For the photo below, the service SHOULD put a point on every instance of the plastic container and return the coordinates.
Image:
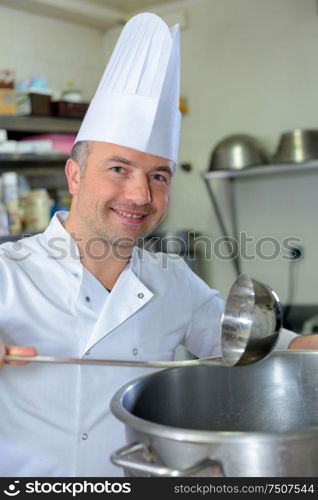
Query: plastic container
(4, 220)
(36, 210)
(10, 194)
(7, 78)
(61, 143)
(3, 135)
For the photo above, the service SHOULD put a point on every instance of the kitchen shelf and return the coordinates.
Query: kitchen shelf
(29, 159)
(261, 170)
(248, 172)
(39, 124)
(41, 170)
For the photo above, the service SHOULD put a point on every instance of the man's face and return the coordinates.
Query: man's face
(122, 194)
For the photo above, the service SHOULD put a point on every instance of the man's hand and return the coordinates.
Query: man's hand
(304, 342)
(15, 351)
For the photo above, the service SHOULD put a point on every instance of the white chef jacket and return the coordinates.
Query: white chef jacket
(55, 419)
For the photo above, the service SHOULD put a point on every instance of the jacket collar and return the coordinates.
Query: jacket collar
(129, 293)
(126, 298)
(60, 244)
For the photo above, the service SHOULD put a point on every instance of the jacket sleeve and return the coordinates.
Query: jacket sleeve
(284, 339)
(203, 336)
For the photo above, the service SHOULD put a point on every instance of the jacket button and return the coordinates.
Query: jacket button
(135, 351)
(87, 298)
(84, 436)
(140, 295)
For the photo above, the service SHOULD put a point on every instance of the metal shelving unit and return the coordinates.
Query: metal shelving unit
(232, 176)
(281, 168)
(39, 124)
(27, 161)
(43, 169)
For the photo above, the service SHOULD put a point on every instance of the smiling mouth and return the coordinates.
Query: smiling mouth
(130, 216)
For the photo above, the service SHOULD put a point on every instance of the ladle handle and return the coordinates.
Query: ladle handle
(111, 362)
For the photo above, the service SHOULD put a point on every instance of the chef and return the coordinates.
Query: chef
(83, 288)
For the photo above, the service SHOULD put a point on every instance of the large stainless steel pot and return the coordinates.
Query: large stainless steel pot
(256, 420)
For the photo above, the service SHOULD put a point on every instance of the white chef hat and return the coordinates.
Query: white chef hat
(137, 101)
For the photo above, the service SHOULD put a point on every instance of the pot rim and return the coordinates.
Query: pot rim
(199, 436)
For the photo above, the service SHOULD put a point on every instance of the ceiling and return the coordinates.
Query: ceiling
(101, 14)
(129, 6)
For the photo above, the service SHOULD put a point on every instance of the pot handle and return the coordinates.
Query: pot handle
(119, 458)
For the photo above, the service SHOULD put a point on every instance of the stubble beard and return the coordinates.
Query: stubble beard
(100, 229)
(125, 242)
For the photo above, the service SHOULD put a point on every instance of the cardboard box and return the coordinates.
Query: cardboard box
(8, 104)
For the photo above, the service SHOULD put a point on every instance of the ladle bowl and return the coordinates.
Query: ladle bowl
(251, 322)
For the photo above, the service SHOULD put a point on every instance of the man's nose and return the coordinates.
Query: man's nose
(137, 190)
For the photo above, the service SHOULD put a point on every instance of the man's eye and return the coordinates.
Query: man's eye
(119, 170)
(161, 178)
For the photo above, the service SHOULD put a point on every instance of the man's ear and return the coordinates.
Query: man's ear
(73, 174)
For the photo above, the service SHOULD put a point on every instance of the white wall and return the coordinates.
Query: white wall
(249, 66)
(34, 44)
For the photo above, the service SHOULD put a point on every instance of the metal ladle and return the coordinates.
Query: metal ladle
(251, 323)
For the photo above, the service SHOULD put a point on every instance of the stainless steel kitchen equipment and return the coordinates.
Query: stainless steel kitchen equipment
(250, 328)
(236, 152)
(182, 243)
(251, 322)
(297, 146)
(256, 421)
(113, 362)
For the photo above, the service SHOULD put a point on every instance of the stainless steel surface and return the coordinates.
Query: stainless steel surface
(234, 255)
(297, 146)
(176, 242)
(256, 421)
(121, 458)
(237, 152)
(251, 322)
(272, 169)
(113, 362)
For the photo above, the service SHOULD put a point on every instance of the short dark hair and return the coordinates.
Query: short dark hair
(80, 152)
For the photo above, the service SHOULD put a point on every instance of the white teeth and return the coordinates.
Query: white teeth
(133, 216)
